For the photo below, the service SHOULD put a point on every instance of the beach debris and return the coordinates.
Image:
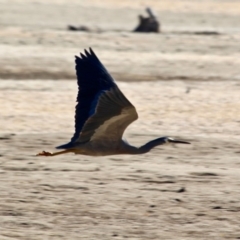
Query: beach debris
(148, 24)
(79, 28)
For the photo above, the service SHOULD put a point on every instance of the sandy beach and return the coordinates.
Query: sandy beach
(184, 83)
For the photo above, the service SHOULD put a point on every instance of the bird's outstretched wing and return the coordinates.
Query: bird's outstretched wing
(110, 116)
(100, 103)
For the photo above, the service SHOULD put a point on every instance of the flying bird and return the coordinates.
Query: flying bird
(102, 114)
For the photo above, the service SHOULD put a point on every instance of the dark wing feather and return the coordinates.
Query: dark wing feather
(109, 119)
(92, 78)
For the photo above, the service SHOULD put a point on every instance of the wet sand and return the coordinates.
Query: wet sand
(183, 84)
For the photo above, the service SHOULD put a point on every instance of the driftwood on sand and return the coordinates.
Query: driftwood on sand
(148, 24)
(78, 28)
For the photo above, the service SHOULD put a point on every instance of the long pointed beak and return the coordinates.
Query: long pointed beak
(171, 140)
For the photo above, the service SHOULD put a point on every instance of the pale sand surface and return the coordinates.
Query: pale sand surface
(78, 197)
(173, 192)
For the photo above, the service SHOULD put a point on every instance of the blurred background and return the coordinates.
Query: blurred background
(183, 80)
(198, 39)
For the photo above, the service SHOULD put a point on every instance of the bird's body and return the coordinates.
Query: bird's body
(102, 114)
(93, 148)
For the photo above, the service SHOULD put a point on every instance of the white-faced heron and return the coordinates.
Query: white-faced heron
(102, 114)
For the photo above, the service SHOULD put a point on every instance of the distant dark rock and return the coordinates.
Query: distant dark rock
(148, 24)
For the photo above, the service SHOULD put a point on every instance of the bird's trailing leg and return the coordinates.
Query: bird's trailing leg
(49, 154)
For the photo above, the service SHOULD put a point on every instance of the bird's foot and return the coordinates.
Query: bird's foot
(43, 153)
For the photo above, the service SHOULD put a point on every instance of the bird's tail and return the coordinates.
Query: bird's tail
(65, 146)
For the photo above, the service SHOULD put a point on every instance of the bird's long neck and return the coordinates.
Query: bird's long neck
(150, 145)
(146, 147)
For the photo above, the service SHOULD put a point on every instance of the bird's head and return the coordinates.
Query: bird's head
(172, 140)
